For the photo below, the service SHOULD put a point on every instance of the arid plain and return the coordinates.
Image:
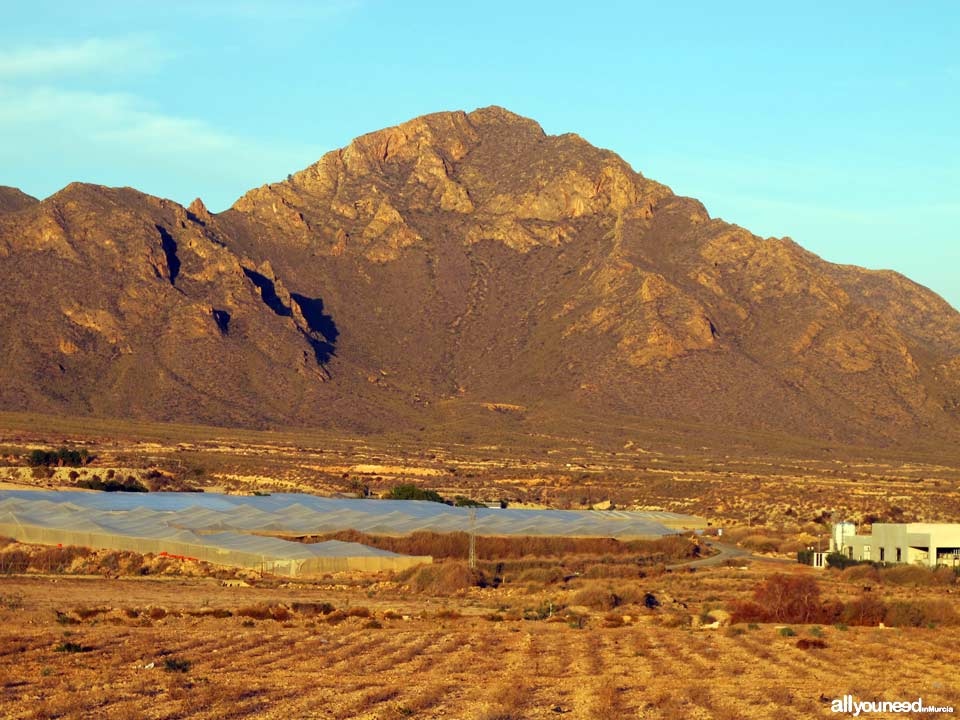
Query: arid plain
(536, 631)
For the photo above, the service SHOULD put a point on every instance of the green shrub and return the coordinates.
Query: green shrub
(61, 457)
(787, 632)
(130, 484)
(462, 501)
(410, 491)
(841, 561)
(172, 664)
(72, 647)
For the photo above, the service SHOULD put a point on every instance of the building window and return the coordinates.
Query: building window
(899, 555)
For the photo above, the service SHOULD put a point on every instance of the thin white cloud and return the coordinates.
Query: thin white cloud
(93, 55)
(272, 10)
(114, 118)
(117, 138)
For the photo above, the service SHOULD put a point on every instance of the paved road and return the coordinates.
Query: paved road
(727, 552)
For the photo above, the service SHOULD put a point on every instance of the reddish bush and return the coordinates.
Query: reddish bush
(811, 644)
(865, 610)
(782, 598)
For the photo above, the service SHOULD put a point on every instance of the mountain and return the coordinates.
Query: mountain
(457, 260)
(12, 199)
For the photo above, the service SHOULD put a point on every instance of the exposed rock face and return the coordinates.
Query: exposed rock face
(462, 257)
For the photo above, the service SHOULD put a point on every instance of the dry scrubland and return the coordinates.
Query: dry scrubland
(778, 485)
(379, 648)
(579, 630)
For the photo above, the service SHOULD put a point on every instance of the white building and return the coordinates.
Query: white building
(924, 543)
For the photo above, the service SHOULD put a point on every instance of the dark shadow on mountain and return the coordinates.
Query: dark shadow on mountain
(322, 350)
(317, 320)
(268, 292)
(169, 246)
(222, 318)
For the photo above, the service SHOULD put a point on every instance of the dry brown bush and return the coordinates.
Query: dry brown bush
(760, 543)
(57, 559)
(265, 611)
(457, 544)
(596, 598)
(543, 576)
(791, 546)
(613, 619)
(861, 574)
(442, 578)
(919, 613)
(312, 608)
(85, 613)
(917, 576)
(612, 570)
(865, 610)
(14, 561)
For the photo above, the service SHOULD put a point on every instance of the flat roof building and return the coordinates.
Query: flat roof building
(930, 544)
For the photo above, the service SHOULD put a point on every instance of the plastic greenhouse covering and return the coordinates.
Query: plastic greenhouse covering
(231, 529)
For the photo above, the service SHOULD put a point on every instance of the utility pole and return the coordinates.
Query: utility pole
(473, 539)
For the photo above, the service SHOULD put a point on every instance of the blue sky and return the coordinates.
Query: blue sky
(837, 124)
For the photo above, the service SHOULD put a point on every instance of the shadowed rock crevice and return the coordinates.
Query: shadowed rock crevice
(322, 350)
(268, 291)
(222, 318)
(317, 320)
(169, 246)
(321, 331)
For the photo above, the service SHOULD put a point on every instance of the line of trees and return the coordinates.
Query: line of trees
(62, 457)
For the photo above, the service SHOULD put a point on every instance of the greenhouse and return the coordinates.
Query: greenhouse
(248, 531)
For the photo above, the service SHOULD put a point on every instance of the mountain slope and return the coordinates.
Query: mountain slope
(13, 199)
(461, 258)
